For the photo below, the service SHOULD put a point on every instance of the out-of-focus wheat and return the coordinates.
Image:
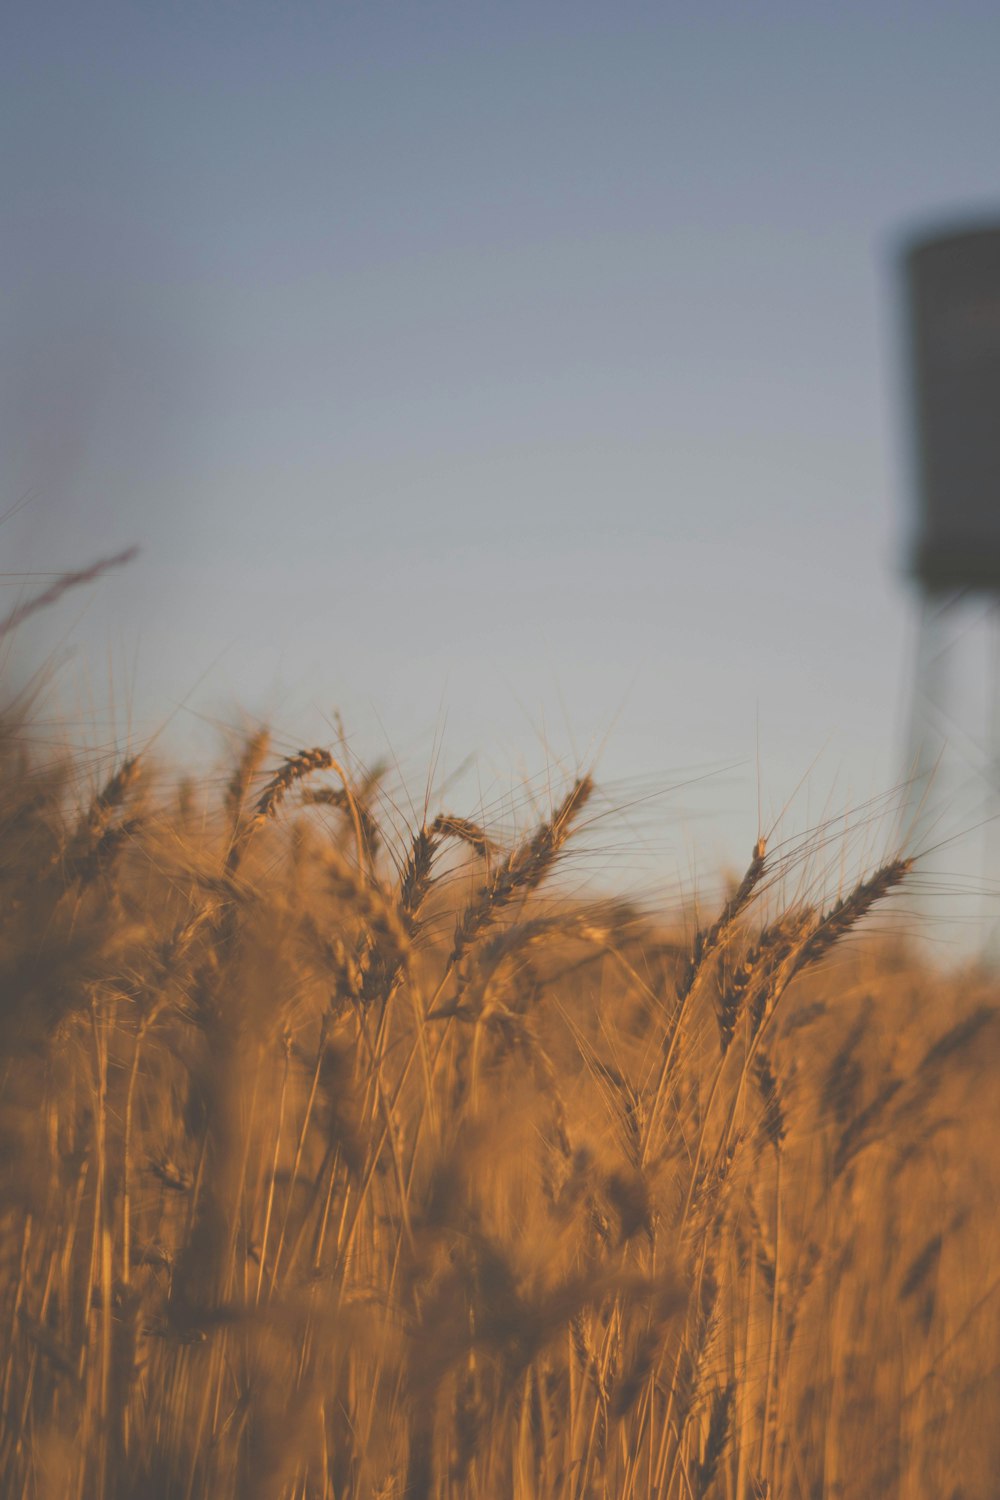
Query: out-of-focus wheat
(338, 1165)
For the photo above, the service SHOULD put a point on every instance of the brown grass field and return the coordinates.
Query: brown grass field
(343, 1159)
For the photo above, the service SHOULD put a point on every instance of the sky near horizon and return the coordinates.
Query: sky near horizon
(518, 380)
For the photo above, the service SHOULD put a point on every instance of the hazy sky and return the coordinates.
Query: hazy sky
(525, 376)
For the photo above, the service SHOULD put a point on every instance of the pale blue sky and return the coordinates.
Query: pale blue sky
(531, 365)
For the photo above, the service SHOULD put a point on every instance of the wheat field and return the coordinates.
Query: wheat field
(345, 1156)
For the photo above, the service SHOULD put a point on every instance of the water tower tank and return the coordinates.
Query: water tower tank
(953, 284)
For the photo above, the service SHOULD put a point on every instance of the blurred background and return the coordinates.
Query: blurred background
(524, 383)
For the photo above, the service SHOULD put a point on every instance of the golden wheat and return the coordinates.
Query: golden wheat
(303, 1199)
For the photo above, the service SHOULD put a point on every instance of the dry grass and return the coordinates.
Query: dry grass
(339, 1164)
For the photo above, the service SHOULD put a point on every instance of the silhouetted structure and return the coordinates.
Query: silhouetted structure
(954, 307)
(953, 300)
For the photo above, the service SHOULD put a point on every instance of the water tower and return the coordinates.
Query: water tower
(952, 283)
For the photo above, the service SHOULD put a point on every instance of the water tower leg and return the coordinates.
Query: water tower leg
(991, 812)
(924, 800)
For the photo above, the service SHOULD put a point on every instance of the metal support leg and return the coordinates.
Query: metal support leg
(928, 723)
(991, 831)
